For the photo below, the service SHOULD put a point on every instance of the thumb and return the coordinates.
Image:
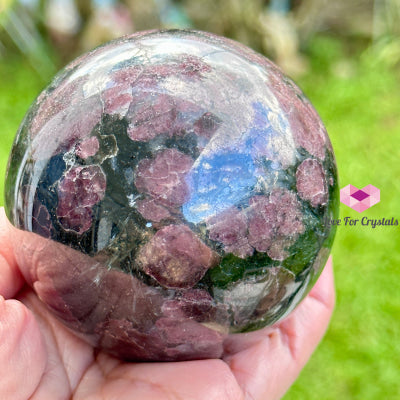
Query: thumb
(11, 279)
(22, 351)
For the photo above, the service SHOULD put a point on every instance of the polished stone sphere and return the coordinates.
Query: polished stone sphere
(181, 187)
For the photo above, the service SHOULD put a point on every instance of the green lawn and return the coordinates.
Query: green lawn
(360, 355)
(360, 105)
(19, 86)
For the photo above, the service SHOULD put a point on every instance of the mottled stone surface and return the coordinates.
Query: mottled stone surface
(175, 257)
(182, 187)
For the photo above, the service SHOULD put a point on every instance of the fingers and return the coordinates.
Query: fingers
(22, 352)
(11, 279)
(311, 319)
(324, 289)
(189, 380)
(270, 360)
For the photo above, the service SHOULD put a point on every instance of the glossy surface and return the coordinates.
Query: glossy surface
(182, 187)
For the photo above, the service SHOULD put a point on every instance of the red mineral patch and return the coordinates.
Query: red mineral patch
(311, 183)
(164, 176)
(78, 191)
(151, 210)
(88, 147)
(176, 257)
(152, 115)
(275, 221)
(230, 228)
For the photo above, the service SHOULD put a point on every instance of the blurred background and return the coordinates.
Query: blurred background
(345, 55)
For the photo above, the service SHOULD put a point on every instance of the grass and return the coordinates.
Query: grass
(359, 356)
(358, 100)
(20, 84)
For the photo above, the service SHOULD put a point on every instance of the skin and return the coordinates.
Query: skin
(44, 360)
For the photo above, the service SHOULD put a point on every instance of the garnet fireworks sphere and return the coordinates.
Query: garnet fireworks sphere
(178, 189)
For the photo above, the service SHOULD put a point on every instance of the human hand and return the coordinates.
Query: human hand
(45, 361)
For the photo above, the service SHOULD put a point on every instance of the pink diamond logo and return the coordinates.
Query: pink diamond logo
(360, 199)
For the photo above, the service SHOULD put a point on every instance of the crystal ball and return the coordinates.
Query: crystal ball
(181, 187)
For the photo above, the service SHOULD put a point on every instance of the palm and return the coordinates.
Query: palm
(49, 362)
